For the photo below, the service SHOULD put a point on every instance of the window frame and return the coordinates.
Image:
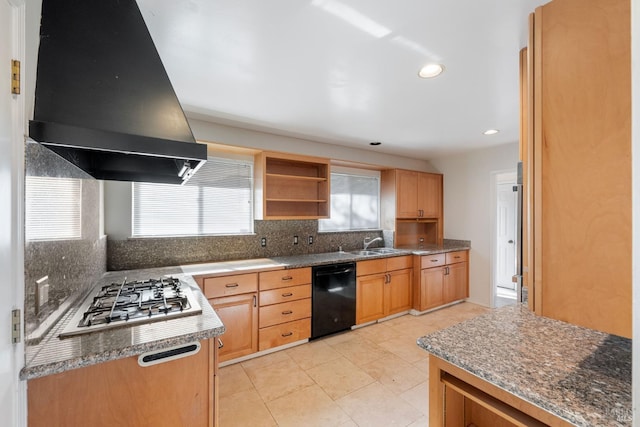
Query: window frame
(341, 170)
(233, 159)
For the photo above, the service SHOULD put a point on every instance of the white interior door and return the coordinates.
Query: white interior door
(12, 399)
(506, 236)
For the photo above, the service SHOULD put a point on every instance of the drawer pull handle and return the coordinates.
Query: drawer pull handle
(287, 312)
(287, 278)
(457, 256)
(434, 260)
(220, 343)
(288, 294)
(231, 285)
(288, 334)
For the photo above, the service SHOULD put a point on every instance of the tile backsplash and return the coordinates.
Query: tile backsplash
(73, 266)
(279, 236)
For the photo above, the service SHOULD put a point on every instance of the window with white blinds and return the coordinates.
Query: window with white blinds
(218, 199)
(52, 208)
(355, 202)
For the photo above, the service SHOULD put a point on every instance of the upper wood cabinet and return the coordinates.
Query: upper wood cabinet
(291, 187)
(578, 150)
(418, 194)
(412, 206)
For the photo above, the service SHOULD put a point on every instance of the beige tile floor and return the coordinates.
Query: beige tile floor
(372, 376)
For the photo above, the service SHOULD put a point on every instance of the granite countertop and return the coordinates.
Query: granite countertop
(309, 260)
(580, 375)
(54, 355)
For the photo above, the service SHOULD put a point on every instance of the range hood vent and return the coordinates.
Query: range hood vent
(103, 99)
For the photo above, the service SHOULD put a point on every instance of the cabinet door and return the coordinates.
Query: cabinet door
(429, 195)
(370, 303)
(431, 287)
(399, 291)
(239, 313)
(406, 193)
(455, 282)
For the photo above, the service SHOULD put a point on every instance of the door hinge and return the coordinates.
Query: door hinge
(15, 77)
(15, 326)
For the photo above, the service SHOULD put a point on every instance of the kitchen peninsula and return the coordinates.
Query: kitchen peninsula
(511, 367)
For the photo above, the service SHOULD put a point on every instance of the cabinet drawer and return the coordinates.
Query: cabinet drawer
(372, 266)
(283, 278)
(458, 256)
(429, 261)
(399, 262)
(285, 333)
(291, 293)
(285, 312)
(230, 285)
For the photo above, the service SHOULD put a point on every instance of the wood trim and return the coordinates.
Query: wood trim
(439, 367)
(535, 266)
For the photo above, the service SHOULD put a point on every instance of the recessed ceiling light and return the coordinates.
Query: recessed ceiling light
(491, 131)
(430, 71)
(375, 143)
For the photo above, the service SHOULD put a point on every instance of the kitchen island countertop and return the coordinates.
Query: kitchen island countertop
(578, 374)
(54, 355)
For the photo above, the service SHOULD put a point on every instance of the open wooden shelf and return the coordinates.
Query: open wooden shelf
(291, 186)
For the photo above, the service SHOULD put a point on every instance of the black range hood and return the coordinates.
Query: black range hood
(103, 99)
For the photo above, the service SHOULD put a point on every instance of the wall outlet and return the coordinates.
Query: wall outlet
(263, 242)
(42, 292)
(311, 240)
(295, 240)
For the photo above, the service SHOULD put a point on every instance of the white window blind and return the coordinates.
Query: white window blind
(355, 202)
(52, 208)
(216, 200)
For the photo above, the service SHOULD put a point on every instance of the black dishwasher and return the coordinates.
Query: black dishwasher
(333, 298)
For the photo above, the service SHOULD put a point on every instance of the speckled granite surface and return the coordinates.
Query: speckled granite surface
(53, 355)
(448, 245)
(578, 374)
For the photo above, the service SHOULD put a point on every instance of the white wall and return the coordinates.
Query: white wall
(468, 207)
(117, 195)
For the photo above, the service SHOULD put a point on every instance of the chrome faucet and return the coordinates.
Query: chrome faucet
(368, 241)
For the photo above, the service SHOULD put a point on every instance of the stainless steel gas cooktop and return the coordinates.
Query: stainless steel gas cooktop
(127, 303)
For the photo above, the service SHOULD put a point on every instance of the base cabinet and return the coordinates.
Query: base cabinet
(440, 279)
(235, 300)
(179, 392)
(285, 307)
(383, 288)
(460, 399)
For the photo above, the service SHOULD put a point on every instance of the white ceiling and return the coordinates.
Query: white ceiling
(311, 69)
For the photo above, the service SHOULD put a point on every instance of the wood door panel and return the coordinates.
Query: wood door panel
(582, 138)
(116, 393)
(239, 314)
(399, 294)
(432, 287)
(370, 299)
(406, 193)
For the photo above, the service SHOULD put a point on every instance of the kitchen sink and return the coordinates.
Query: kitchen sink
(384, 250)
(375, 251)
(362, 252)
